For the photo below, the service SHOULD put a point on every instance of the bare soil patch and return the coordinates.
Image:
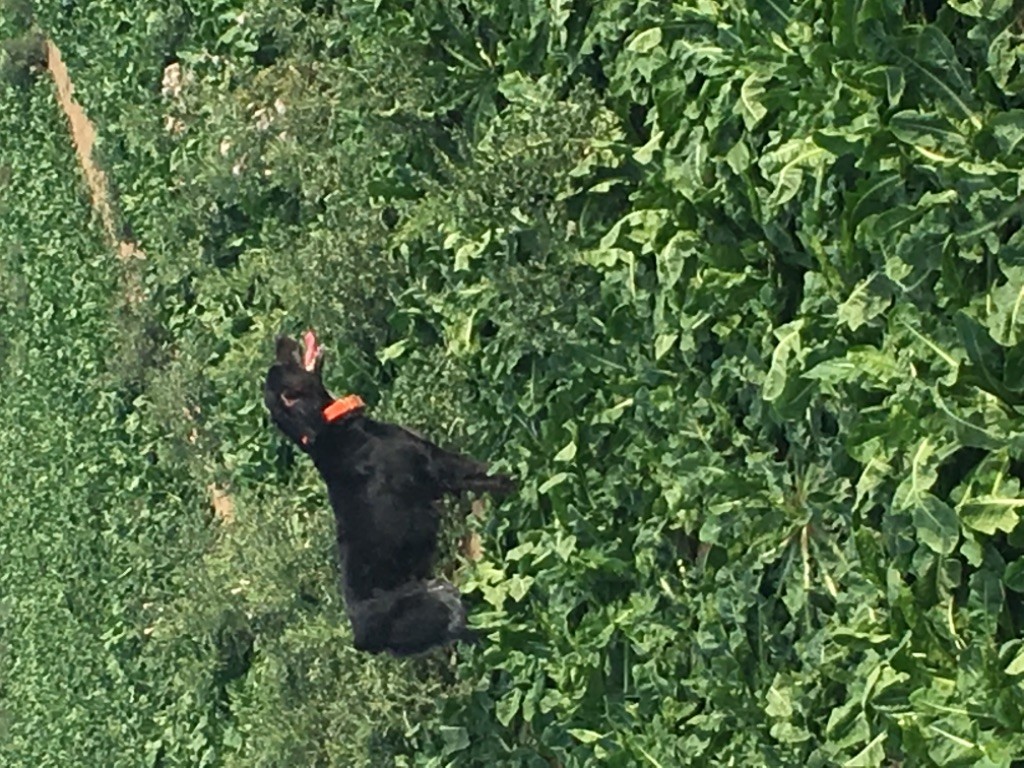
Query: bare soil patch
(83, 134)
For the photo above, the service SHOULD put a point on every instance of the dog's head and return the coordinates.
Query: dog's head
(294, 392)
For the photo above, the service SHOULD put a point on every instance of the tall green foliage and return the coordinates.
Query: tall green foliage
(734, 288)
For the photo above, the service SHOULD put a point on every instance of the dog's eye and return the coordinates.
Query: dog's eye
(288, 400)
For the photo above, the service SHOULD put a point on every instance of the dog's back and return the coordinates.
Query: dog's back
(383, 500)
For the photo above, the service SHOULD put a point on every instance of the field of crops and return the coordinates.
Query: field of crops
(735, 288)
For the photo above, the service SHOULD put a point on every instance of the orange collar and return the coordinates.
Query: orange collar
(342, 407)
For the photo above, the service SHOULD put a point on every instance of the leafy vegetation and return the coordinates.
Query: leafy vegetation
(735, 288)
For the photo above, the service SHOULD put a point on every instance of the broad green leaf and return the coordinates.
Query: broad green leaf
(868, 300)
(614, 413)
(865, 365)
(508, 707)
(895, 84)
(645, 41)
(707, 56)
(739, 157)
(884, 227)
(1016, 667)
(663, 343)
(971, 428)
(936, 524)
(871, 756)
(1013, 368)
(787, 185)
(844, 26)
(518, 586)
(985, 9)
(645, 154)
(1004, 62)
(671, 260)
(991, 514)
(778, 705)
(927, 131)
(518, 88)
(787, 348)
(1008, 129)
(871, 197)
(843, 719)
(568, 453)
(1013, 576)
(786, 164)
(1006, 320)
(565, 546)
(455, 738)
(936, 60)
(469, 250)
(749, 103)
(517, 553)
(532, 698)
(841, 141)
(393, 351)
(555, 480)
(585, 735)
(921, 477)
(607, 257)
(984, 354)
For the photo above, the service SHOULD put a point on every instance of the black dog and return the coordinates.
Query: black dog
(383, 483)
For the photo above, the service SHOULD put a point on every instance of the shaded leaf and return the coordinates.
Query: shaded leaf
(936, 524)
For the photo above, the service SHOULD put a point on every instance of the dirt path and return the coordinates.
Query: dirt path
(83, 135)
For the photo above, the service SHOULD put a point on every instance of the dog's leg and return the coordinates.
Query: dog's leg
(457, 474)
(410, 620)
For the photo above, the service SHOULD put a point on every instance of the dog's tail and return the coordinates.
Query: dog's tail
(499, 485)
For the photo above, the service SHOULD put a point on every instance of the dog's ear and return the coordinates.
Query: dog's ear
(288, 352)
